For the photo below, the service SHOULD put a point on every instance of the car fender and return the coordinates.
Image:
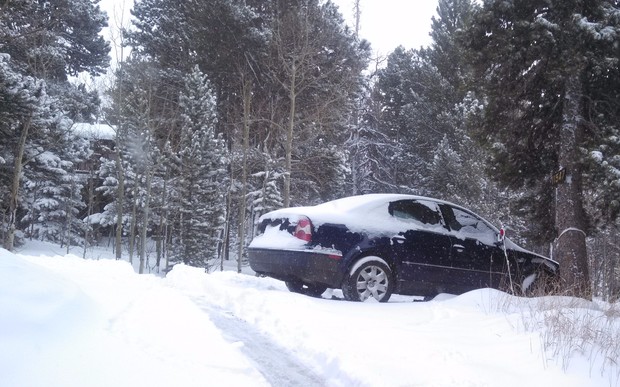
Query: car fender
(363, 260)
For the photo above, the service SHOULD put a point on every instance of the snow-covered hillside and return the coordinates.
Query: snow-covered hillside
(66, 321)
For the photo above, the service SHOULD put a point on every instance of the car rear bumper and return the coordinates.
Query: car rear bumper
(306, 265)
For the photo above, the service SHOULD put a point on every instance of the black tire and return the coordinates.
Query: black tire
(372, 278)
(312, 290)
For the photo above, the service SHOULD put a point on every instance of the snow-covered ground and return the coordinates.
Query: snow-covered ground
(68, 321)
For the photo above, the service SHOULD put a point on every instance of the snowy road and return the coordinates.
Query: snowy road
(278, 366)
(96, 323)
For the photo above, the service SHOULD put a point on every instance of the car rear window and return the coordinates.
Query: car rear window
(415, 210)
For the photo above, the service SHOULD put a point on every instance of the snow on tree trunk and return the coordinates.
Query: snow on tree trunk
(247, 101)
(570, 245)
(289, 136)
(145, 222)
(120, 196)
(13, 199)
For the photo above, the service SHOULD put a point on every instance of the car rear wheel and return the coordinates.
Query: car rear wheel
(370, 278)
(313, 290)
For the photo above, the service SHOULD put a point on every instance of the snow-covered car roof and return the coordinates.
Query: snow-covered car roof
(332, 211)
(363, 213)
(336, 207)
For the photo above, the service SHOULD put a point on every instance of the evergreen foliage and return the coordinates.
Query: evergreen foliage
(203, 171)
(544, 109)
(54, 39)
(525, 64)
(41, 44)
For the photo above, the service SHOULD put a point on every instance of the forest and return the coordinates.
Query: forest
(226, 109)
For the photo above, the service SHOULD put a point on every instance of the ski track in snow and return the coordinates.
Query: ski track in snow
(275, 363)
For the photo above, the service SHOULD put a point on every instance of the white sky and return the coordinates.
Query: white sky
(386, 24)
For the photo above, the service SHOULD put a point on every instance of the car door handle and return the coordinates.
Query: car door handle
(398, 239)
(458, 247)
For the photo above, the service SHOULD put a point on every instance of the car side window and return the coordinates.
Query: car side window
(416, 210)
(469, 225)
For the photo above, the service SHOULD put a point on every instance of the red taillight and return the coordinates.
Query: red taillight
(303, 230)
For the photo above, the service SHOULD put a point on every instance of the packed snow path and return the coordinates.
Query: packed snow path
(280, 367)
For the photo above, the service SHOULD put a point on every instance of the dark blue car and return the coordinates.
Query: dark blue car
(371, 246)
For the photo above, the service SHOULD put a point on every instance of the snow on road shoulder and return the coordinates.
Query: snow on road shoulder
(66, 321)
(41, 316)
(476, 339)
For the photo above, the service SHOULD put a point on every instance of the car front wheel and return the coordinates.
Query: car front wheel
(370, 278)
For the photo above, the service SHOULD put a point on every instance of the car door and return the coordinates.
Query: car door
(478, 261)
(422, 248)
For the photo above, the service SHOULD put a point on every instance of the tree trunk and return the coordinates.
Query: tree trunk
(570, 245)
(145, 222)
(120, 195)
(247, 96)
(91, 200)
(69, 214)
(226, 242)
(13, 199)
(132, 224)
(163, 218)
(289, 138)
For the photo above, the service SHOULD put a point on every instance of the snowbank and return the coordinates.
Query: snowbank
(66, 321)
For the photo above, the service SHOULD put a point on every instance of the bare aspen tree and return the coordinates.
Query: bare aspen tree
(89, 213)
(246, 89)
(316, 86)
(117, 38)
(295, 50)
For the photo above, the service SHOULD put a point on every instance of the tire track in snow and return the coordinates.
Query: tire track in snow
(275, 363)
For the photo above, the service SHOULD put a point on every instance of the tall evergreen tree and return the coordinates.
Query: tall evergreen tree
(204, 161)
(446, 53)
(423, 93)
(539, 62)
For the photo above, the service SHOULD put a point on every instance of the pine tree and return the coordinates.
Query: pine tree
(204, 161)
(54, 39)
(446, 53)
(540, 62)
(268, 197)
(52, 192)
(42, 44)
(415, 100)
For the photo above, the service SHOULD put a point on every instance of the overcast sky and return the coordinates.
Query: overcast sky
(390, 23)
